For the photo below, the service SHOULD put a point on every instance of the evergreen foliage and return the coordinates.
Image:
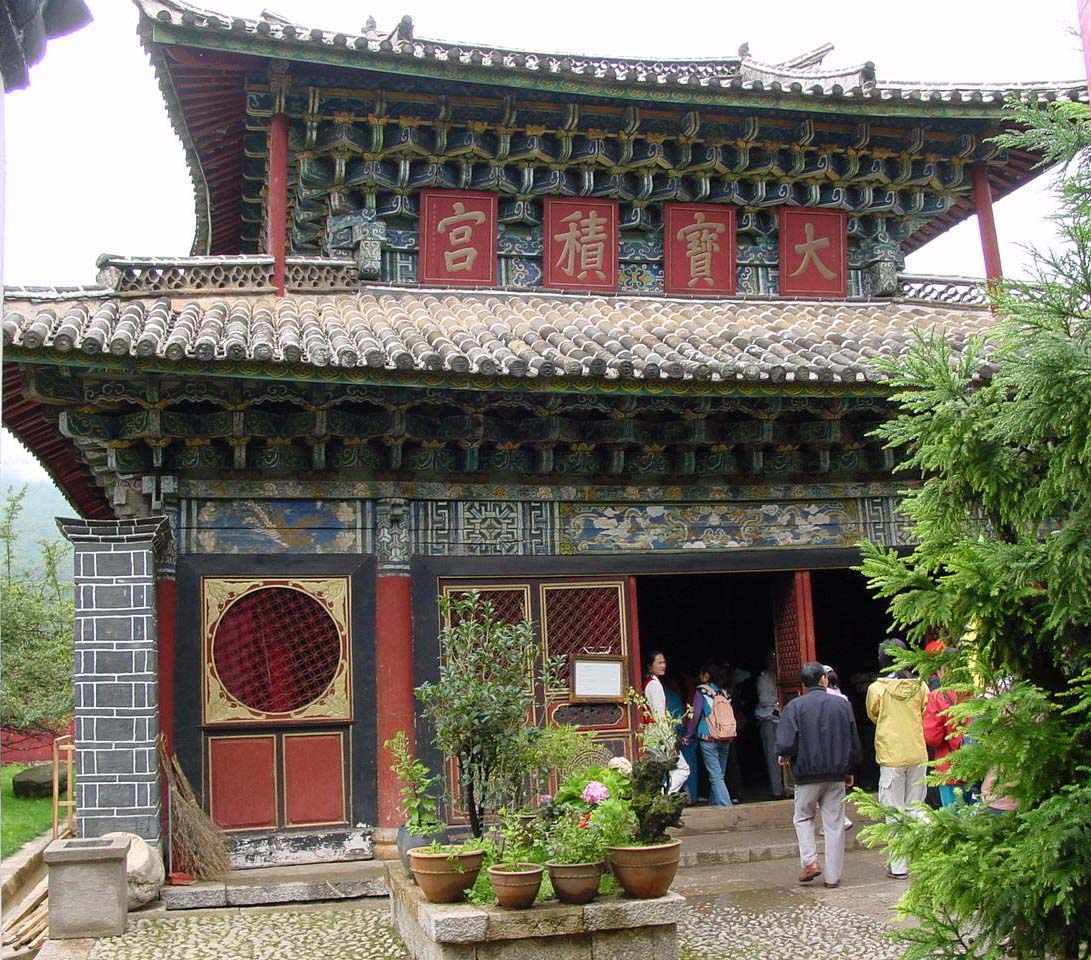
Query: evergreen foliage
(1002, 517)
(36, 632)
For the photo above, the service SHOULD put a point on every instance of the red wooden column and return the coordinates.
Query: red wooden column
(983, 202)
(276, 200)
(394, 700)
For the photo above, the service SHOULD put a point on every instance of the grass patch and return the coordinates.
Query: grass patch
(20, 820)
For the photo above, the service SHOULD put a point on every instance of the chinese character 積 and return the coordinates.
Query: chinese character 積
(583, 245)
(701, 239)
(459, 227)
(809, 251)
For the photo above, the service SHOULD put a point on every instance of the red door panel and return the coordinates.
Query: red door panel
(793, 629)
(314, 787)
(242, 782)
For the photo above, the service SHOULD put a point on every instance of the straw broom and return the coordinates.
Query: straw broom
(197, 845)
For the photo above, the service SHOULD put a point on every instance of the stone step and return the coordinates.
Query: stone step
(747, 846)
(293, 884)
(767, 815)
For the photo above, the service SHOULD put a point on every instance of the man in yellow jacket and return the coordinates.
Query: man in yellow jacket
(895, 704)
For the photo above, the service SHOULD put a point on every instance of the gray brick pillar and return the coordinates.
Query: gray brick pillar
(117, 691)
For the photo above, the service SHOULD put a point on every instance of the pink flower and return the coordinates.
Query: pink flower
(595, 792)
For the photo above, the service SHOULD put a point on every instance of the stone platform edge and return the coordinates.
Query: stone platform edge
(466, 924)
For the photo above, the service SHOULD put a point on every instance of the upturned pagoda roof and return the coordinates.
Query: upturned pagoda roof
(210, 68)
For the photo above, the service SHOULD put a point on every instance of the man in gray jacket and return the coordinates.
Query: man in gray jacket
(817, 736)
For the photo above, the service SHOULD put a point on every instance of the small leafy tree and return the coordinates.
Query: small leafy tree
(480, 705)
(36, 633)
(419, 804)
(1003, 562)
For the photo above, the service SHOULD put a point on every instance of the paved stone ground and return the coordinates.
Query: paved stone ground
(752, 911)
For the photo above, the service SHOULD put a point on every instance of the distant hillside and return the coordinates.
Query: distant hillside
(42, 503)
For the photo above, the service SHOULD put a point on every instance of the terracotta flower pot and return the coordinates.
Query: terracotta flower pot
(645, 872)
(407, 840)
(446, 875)
(516, 884)
(575, 883)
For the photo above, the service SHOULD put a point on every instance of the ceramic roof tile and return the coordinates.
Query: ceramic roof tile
(497, 334)
(802, 76)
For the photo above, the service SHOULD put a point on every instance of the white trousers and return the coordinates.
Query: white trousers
(679, 775)
(904, 788)
(829, 798)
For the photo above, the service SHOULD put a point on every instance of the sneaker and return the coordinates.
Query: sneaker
(832, 884)
(896, 876)
(810, 871)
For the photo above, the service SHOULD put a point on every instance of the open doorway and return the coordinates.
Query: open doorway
(849, 625)
(728, 617)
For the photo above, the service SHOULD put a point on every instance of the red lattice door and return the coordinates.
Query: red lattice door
(588, 616)
(793, 630)
(277, 701)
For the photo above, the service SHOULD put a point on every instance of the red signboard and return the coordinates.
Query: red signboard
(814, 252)
(457, 238)
(698, 248)
(581, 244)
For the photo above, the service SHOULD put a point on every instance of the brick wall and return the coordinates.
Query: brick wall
(117, 699)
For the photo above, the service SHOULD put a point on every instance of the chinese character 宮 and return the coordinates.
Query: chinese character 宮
(583, 249)
(459, 227)
(702, 242)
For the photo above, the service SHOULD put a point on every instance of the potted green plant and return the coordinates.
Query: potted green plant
(422, 826)
(516, 884)
(646, 865)
(444, 872)
(478, 706)
(576, 857)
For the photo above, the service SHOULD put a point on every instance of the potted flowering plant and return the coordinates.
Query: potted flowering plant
(645, 864)
(578, 836)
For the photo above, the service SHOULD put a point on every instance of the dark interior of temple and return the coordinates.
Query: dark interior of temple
(729, 617)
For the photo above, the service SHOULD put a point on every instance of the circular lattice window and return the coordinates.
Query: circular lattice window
(276, 650)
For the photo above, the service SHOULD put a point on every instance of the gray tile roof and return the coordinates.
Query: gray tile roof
(494, 334)
(803, 75)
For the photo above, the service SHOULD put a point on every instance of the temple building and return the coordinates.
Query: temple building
(595, 336)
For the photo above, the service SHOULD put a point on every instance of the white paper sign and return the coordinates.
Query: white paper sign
(600, 679)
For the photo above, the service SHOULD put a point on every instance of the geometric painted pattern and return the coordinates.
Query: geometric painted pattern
(483, 528)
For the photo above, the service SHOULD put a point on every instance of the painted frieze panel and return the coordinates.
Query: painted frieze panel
(276, 526)
(699, 248)
(484, 528)
(814, 258)
(581, 244)
(458, 238)
(651, 527)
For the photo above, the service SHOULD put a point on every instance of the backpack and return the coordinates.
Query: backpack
(720, 717)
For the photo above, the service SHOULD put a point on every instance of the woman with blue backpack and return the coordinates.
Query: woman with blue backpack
(713, 724)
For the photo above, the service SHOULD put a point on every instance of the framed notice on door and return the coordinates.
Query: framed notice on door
(595, 678)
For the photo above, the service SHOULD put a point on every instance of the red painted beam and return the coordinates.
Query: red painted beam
(983, 203)
(276, 205)
(393, 684)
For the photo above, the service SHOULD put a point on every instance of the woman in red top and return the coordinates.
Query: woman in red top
(944, 735)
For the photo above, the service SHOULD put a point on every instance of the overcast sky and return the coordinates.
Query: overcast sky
(93, 165)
